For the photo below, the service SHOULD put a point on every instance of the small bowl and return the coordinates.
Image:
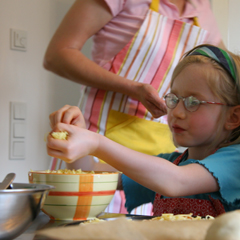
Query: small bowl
(19, 206)
(78, 196)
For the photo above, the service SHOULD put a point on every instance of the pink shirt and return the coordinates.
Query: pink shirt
(128, 16)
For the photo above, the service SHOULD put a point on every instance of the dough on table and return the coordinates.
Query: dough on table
(225, 227)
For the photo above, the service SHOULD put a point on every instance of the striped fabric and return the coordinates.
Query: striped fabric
(151, 63)
(56, 164)
(150, 58)
(117, 205)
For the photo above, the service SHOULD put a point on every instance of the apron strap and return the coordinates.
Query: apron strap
(195, 22)
(155, 7)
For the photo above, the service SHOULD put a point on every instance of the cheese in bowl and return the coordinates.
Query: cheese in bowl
(78, 195)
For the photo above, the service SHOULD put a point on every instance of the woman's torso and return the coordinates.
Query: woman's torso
(149, 57)
(128, 15)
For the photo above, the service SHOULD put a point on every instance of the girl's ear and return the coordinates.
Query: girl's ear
(233, 118)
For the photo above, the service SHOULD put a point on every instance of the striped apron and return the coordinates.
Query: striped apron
(150, 57)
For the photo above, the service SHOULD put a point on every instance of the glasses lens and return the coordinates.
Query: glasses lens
(171, 100)
(191, 103)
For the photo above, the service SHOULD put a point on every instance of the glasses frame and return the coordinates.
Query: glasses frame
(185, 105)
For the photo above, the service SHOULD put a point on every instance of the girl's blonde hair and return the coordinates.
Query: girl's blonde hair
(223, 87)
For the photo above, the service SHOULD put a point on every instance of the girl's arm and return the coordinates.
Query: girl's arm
(64, 57)
(152, 172)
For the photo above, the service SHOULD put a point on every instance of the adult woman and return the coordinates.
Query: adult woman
(137, 44)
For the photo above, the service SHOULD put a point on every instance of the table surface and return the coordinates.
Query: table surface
(41, 222)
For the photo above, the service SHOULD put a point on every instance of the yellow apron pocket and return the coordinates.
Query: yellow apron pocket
(139, 134)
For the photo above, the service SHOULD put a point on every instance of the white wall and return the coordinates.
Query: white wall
(23, 79)
(234, 24)
(227, 15)
(221, 12)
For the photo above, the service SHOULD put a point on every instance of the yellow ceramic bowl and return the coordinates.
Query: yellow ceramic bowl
(76, 196)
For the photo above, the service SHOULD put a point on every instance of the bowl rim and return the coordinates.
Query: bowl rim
(74, 174)
(32, 188)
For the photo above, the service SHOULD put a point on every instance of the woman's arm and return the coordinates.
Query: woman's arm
(152, 172)
(64, 57)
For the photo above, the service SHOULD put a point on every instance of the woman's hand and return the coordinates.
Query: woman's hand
(69, 115)
(149, 97)
(80, 143)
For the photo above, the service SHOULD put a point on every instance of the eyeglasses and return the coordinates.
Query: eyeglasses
(191, 103)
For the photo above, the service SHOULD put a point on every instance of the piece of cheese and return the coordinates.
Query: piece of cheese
(60, 135)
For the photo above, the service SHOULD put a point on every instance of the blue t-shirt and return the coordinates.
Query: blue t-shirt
(224, 164)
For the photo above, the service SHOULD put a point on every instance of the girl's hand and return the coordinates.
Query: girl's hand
(149, 97)
(80, 143)
(69, 115)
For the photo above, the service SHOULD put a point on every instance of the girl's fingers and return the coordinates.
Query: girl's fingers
(72, 115)
(59, 115)
(55, 117)
(58, 143)
(57, 148)
(67, 114)
(71, 149)
(58, 154)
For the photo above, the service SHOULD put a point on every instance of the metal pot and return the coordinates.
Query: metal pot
(19, 206)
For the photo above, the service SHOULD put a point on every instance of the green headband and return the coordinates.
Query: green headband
(220, 56)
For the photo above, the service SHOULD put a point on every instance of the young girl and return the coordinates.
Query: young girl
(203, 115)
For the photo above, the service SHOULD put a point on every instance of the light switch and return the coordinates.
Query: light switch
(18, 116)
(19, 110)
(19, 130)
(19, 149)
(18, 40)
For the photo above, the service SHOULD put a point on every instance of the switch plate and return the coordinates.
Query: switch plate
(18, 149)
(19, 110)
(18, 116)
(18, 39)
(19, 130)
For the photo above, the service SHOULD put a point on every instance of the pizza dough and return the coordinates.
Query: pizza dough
(225, 227)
